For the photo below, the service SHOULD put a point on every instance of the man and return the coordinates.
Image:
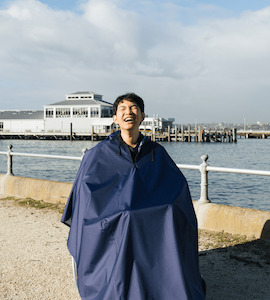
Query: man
(133, 230)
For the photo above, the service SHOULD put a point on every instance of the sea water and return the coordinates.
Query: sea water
(224, 188)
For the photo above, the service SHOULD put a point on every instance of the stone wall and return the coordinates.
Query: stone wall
(232, 219)
(22, 187)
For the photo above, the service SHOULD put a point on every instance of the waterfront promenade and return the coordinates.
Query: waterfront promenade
(35, 263)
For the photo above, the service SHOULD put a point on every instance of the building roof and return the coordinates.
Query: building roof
(84, 93)
(80, 102)
(21, 114)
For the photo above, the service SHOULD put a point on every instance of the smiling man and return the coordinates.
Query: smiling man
(128, 114)
(133, 230)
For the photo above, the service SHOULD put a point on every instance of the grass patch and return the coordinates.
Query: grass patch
(7, 198)
(38, 204)
(222, 239)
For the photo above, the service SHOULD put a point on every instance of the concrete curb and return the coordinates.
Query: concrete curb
(232, 219)
(210, 216)
(37, 189)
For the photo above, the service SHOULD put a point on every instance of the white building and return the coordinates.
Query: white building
(156, 123)
(81, 111)
(16, 121)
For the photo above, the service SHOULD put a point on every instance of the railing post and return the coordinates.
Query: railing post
(204, 180)
(9, 160)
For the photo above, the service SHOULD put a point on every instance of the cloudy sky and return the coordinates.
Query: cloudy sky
(196, 61)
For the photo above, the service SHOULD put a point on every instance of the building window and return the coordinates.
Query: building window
(1, 126)
(49, 112)
(106, 112)
(63, 112)
(147, 123)
(80, 112)
(94, 112)
(86, 97)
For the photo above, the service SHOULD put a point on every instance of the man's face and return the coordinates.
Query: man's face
(128, 115)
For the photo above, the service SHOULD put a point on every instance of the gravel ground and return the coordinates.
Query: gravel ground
(34, 260)
(35, 263)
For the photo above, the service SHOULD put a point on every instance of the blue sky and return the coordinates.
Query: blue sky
(191, 60)
(232, 6)
(63, 4)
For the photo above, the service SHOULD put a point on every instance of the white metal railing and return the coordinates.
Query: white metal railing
(204, 168)
(10, 154)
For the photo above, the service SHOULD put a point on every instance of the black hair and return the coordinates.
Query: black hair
(131, 97)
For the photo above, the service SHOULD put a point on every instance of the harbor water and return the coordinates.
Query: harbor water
(223, 188)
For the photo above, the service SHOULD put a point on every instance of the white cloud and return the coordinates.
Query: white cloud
(209, 70)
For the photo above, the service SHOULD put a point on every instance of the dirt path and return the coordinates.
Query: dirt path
(35, 263)
(34, 260)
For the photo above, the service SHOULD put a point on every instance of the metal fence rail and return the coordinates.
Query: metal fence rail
(46, 156)
(204, 168)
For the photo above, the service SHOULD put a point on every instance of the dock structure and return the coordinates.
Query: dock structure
(53, 136)
(196, 134)
(175, 134)
(254, 134)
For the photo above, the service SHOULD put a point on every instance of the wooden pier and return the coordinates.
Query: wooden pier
(197, 135)
(175, 134)
(254, 134)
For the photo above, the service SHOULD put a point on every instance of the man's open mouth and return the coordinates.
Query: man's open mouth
(129, 120)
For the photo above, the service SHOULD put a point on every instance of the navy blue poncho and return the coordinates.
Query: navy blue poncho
(133, 230)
